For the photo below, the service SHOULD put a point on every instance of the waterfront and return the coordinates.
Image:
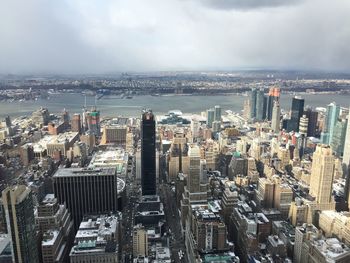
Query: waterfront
(114, 106)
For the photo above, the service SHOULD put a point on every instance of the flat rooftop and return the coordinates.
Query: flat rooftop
(49, 199)
(97, 228)
(74, 172)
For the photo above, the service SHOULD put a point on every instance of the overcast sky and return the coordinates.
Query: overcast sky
(104, 36)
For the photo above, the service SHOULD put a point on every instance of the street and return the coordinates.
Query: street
(177, 241)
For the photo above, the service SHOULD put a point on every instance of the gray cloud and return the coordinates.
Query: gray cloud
(248, 4)
(92, 36)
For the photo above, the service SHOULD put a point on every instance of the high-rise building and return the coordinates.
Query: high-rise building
(265, 192)
(210, 117)
(93, 121)
(114, 134)
(76, 123)
(56, 230)
(276, 117)
(206, 233)
(65, 118)
(217, 110)
(41, 116)
(346, 160)
(321, 179)
(312, 117)
(265, 108)
(88, 191)
(197, 185)
(178, 156)
(195, 125)
(274, 95)
(148, 153)
(346, 155)
(140, 241)
(238, 166)
(246, 109)
(89, 139)
(253, 94)
(296, 113)
(304, 123)
(332, 116)
(216, 126)
(302, 233)
(19, 213)
(337, 142)
(193, 181)
(229, 201)
(260, 105)
(8, 122)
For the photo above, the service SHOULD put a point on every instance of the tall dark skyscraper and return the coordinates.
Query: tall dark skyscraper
(296, 113)
(148, 153)
(312, 124)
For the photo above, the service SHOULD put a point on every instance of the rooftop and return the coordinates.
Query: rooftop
(79, 172)
(49, 199)
(97, 228)
(116, 157)
(49, 237)
(331, 248)
(74, 172)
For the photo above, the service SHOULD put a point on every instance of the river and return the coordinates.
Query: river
(114, 106)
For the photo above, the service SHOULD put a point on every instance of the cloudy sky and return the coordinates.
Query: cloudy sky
(104, 36)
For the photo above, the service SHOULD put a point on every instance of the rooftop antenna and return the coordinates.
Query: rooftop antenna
(85, 102)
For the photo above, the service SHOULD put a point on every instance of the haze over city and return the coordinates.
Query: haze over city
(91, 36)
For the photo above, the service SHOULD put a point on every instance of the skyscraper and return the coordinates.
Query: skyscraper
(148, 153)
(140, 241)
(260, 103)
(88, 191)
(76, 123)
(321, 179)
(346, 155)
(312, 123)
(274, 95)
(19, 212)
(337, 142)
(93, 121)
(296, 113)
(332, 116)
(217, 116)
(56, 229)
(304, 123)
(193, 181)
(276, 114)
(346, 160)
(253, 103)
(210, 117)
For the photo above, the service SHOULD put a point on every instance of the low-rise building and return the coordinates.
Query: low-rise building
(97, 240)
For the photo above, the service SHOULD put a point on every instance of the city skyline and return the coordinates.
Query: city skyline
(177, 131)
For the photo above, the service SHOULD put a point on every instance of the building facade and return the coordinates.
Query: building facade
(19, 212)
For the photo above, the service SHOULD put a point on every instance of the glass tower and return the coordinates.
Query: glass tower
(296, 113)
(332, 116)
(148, 153)
(253, 103)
